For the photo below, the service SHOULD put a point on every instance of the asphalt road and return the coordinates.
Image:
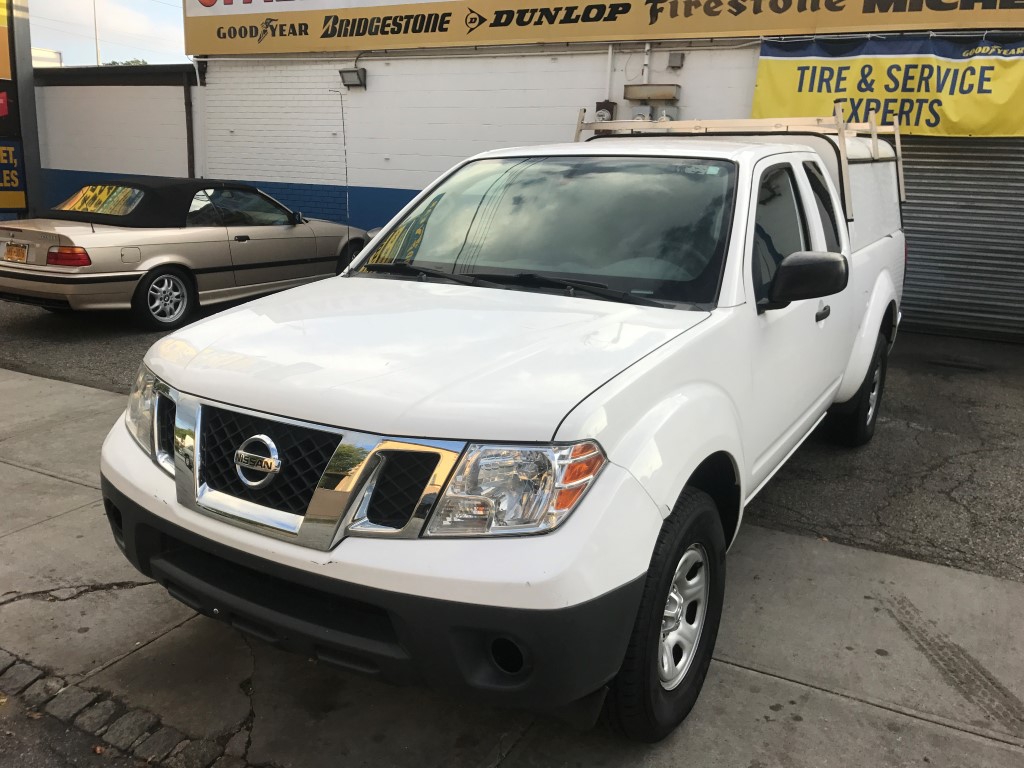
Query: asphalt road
(96, 349)
(941, 482)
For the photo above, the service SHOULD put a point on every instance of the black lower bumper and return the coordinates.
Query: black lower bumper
(534, 659)
(47, 303)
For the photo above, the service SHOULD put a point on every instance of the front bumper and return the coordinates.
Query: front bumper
(67, 289)
(535, 622)
(535, 659)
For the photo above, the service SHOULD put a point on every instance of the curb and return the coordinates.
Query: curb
(124, 731)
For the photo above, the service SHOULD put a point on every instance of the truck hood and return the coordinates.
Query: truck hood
(415, 359)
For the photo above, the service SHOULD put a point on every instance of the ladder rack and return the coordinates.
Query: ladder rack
(835, 125)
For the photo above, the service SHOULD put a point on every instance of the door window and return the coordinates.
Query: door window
(826, 210)
(779, 228)
(243, 208)
(202, 212)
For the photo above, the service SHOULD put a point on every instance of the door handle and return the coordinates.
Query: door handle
(823, 313)
(242, 238)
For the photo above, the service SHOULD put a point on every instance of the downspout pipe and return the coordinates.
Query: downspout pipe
(611, 71)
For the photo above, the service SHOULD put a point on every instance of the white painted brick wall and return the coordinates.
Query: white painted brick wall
(273, 122)
(113, 129)
(279, 121)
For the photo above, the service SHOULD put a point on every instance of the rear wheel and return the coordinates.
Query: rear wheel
(676, 627)
(165, 299)
(853, 423)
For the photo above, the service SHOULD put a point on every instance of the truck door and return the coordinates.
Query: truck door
(828, 233)
(795, 351)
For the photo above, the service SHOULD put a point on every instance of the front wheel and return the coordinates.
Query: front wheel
(164, 300)
(676, 627)
(346, 254)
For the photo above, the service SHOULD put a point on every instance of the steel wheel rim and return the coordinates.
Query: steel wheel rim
(683, 619)
(873, 394)
(167, 298)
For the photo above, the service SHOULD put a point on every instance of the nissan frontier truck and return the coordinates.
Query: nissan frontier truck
(507, 450)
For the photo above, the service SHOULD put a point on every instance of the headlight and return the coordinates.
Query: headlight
(141, 407)
(508, 489)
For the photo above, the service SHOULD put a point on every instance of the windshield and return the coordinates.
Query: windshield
(108, 199)
(653, 227)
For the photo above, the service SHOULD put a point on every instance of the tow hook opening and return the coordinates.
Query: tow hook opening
(116, 523)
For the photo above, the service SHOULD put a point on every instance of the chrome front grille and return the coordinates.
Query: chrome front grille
(327, 483)
(304, 454)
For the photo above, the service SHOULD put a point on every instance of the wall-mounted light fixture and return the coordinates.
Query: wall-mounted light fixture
(353, 78)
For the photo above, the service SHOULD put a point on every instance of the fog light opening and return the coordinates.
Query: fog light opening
(507, 656)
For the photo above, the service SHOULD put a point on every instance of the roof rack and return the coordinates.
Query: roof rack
(835, 125)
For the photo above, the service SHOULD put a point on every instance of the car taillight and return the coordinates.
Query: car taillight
(67, 256)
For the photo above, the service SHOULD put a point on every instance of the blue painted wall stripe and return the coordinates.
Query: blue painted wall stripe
(371, 206)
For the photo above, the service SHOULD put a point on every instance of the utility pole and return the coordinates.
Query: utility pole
(96, 30)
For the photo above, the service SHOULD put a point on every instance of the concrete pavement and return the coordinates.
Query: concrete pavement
(828, 655)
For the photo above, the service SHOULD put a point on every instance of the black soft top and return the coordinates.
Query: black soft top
(165, 202)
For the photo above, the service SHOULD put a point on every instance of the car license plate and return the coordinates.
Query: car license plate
(16, 252)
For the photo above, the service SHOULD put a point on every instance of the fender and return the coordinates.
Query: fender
(663, 417)
(883, 294)
(664, 446)
(148, 264)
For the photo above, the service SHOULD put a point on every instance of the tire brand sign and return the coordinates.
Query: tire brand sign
(930, 86)
(217, 27)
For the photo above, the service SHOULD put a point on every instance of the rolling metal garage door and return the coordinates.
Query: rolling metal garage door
(964, 220)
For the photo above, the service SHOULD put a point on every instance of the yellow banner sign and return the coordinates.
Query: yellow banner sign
(12, 177)
(296, 26)
(929, 86)
(5, 42)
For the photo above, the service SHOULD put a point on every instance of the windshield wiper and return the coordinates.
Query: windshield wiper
(570, 285)
(405, 268)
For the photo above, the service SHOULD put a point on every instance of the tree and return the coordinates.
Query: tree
(127, 63)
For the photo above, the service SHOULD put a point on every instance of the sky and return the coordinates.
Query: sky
(129, 29)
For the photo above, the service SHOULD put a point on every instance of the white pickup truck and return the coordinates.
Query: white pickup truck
(507, 450)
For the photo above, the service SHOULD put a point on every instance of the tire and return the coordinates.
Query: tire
(853, 423)
(350, 250)
(165, 299)
(644, 702)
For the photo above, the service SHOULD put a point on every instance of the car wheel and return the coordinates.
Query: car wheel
(853, 423)
(165, 299)
(676, 627)
(350, 250)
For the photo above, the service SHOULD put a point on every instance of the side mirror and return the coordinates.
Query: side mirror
(807, 275)
(297, 218)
